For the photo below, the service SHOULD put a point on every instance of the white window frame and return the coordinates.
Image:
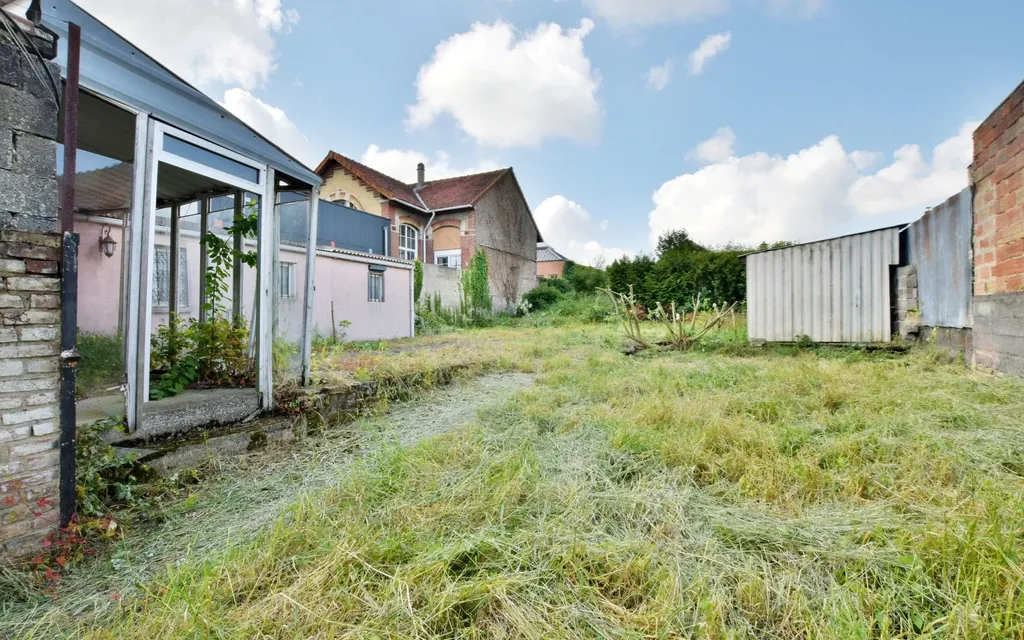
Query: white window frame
(371, 276)
(286, 277)
(183, 293)
(405, 252)
(447, 255)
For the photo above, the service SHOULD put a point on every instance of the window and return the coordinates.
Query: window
(345, 199)
(286, 280)
(450, 259)
(195, 153)
(376, 287)
(408, 236)
(162, 278)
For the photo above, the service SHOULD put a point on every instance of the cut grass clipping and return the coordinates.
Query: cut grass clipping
(828, 494)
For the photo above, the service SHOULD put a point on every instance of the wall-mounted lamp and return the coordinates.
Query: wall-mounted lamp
(107, 244)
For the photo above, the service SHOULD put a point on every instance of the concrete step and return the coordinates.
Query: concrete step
(167, 458)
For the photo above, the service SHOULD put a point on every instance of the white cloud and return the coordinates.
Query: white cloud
(506, 89)
(816, 193)
(659, 77)
(716, 148)
(270, 121)
(910, 181)
(205, 41)
(710, 47)
(643, 13)
(401, 164)
(567, 227)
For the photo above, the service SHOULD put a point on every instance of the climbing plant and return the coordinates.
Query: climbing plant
(213, 352)
(480, 291)
(417, 285)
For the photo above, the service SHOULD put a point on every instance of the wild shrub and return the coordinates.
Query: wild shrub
(584, 279)
(563, 285)
(682, 271)
(543, 297)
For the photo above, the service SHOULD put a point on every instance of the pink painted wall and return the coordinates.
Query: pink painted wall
(339, 279)
(345, 283)
(99, 279)
(549, 269)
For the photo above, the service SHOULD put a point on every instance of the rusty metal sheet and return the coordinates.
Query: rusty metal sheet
(940, 245)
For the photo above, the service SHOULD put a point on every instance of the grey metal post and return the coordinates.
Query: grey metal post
(265, 340)
(141, 274)
(204, 259)
(307, 318)
(236, 268)
(172, 302)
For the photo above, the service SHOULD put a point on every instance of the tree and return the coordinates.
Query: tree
(584, 279)
(780, 244)
(677, 240)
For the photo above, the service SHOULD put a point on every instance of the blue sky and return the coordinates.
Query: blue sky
(810, 100)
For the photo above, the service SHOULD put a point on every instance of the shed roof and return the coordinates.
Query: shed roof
(547, 254)
(848, 235)
(113, 67)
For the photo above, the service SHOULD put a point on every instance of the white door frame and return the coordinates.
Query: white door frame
(142, 258)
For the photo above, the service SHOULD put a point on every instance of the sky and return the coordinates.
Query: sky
(737, 120)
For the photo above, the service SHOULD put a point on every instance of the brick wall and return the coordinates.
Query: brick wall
(997, 175)
(505, 228)
(29, 306)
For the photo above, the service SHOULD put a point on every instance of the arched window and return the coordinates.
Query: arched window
(352, 203)
(408, 236)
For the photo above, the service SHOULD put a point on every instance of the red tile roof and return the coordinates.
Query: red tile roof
(383, 184)
(462, 191)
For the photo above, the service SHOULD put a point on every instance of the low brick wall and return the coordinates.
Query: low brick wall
(997, 175)
(29, 412)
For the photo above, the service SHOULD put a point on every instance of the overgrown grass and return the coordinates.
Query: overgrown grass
(101, 366)
(733, 492)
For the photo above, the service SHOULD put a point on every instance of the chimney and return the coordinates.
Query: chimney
(421, 175)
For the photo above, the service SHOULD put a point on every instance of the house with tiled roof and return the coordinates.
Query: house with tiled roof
(444, 222)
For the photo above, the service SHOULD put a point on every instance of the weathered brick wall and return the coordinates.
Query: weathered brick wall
(29, 306)
(997, 175)
(506, 230)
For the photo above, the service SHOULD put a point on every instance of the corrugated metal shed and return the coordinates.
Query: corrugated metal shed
(835, 290)
(940, 245)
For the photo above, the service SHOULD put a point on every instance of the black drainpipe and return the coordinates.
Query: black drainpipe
(69, 284)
